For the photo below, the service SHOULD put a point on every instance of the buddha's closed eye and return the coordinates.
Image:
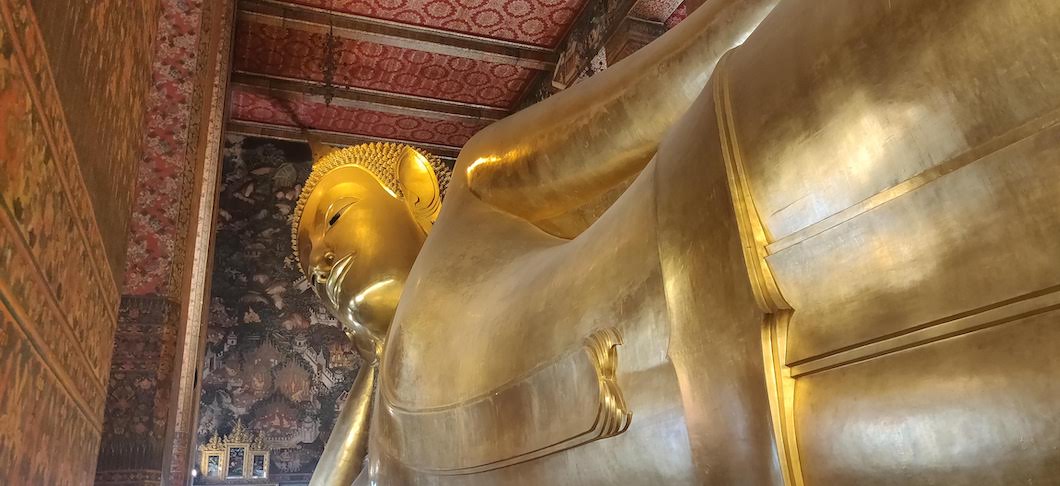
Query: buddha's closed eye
(336, 210)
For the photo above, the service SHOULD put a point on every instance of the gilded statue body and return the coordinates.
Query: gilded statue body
(827, 256)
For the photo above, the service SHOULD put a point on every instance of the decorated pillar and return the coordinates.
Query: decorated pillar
(150, 405)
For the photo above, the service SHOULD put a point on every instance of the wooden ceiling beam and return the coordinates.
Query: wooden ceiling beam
(367, 99)
(339, 139)
(357, 27)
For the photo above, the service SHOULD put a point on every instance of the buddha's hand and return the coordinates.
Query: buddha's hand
(368, 346)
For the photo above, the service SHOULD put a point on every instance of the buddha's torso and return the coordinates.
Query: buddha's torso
(841, 267)
(497, 300)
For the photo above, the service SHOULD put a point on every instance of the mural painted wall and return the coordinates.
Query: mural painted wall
(60, 223)
(274, 358)
(100, 53)
(149, 340)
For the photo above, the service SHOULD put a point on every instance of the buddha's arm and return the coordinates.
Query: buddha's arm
(571, 149)
(344, 453)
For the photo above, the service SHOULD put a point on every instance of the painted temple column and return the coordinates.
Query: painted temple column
(150, 409)
(184, 404)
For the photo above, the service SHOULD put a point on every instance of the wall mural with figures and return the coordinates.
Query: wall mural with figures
(274, 358)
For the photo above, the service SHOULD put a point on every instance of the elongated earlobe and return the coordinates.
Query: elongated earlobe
(420, 187)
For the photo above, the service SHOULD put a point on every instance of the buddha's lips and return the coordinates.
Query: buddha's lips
(333, 285)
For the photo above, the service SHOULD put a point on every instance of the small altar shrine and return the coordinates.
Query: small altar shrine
(239, 458)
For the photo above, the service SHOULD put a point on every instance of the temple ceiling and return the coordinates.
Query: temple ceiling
(426, 72)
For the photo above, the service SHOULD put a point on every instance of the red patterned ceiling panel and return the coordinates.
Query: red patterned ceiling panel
(255, 107)
(675, 18)
(268, 49)
(536, 22)
(655, 10)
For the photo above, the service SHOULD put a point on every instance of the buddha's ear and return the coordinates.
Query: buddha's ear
(419, 186)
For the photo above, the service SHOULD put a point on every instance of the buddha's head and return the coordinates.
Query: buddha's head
(361, 219)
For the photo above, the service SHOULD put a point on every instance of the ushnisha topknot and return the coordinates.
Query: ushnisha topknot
(381, 159)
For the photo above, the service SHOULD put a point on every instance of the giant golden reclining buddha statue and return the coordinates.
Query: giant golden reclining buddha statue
(790, 242)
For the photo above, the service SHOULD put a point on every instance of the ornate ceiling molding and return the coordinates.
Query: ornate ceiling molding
(396, 34)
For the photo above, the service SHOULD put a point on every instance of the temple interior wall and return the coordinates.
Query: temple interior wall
(73, 84)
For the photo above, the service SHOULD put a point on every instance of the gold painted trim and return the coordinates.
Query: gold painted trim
(602, 347)
(780, 385)
(1003, 312)
(611, 417)
(1016, 135)
(753, 235)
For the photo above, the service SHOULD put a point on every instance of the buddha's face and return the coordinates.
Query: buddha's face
(357, 242)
